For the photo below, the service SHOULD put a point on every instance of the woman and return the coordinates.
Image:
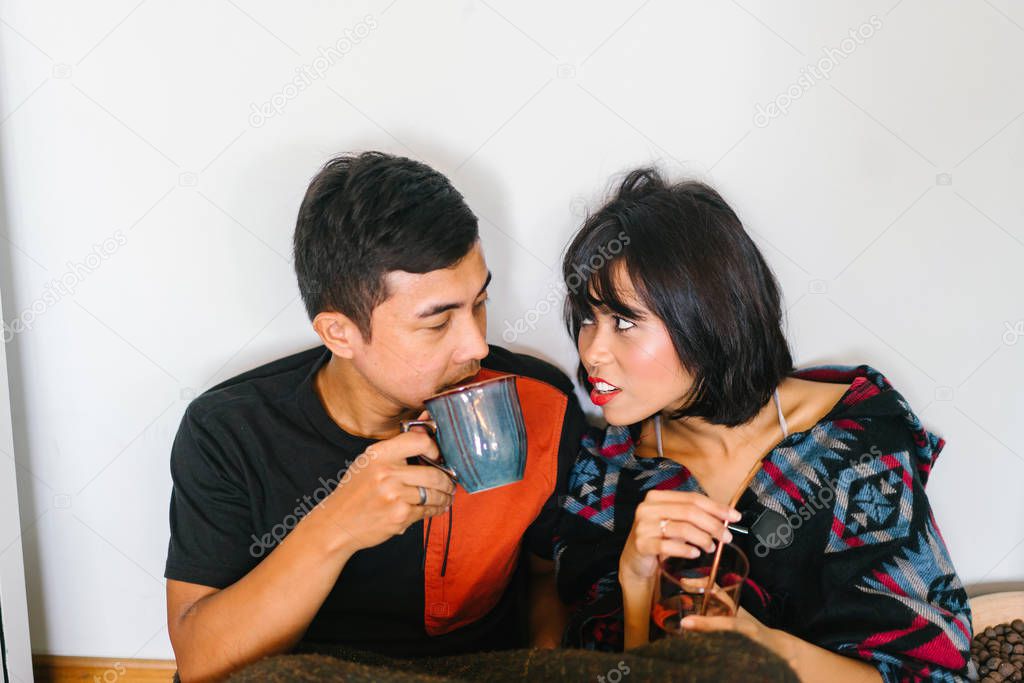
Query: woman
(677, 319)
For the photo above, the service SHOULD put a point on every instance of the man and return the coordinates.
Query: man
(296, 516)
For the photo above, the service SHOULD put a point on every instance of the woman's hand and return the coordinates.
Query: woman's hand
(743, 623)
(810, 662)
(672, 524)
(667, 523)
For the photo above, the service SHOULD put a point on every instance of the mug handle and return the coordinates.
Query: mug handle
(431, 426)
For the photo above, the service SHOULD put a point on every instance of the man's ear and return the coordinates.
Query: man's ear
(339, 333)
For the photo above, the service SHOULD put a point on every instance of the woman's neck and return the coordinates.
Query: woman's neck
(694, 439)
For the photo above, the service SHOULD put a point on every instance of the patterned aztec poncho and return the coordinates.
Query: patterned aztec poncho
(844, 551)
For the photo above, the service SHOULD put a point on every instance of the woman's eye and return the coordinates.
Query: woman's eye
(482, 303)
(438, 328)
(623, 324)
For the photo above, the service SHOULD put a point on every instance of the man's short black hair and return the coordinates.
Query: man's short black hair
(366, 215)
(695, 267)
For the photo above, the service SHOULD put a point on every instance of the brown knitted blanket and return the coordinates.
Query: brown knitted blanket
(697, 658)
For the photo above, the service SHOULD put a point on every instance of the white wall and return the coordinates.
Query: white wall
(887, 199)
(13, 605)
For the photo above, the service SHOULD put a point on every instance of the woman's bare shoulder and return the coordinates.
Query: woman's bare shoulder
(806, 402)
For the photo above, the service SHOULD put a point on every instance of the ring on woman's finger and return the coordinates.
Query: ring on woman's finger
(423, 495)
(661, 525)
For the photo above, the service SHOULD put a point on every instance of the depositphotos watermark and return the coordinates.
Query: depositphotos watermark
(65, 285)
(785, 530)
(1013, 332)
(615, 675)
(262, 544)
(308, 73)
(811, 74)
(112, 674)
(557, 291)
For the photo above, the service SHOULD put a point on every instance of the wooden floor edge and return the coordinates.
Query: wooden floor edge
(60, 669)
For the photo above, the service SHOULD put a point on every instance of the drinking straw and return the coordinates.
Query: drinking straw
(721, 543)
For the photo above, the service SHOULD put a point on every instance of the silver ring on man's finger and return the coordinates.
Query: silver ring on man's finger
(423, 495)
(661, 525)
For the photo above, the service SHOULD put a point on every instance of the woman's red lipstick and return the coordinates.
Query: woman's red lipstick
(602, 391)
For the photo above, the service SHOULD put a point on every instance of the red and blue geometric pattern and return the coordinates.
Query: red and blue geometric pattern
(860, 567)
(873, 503)
(594, 480)
(921, 577)
(797, 469)
(587, 493)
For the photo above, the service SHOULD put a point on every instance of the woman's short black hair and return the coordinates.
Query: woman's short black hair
(366, 215)
(694, 266)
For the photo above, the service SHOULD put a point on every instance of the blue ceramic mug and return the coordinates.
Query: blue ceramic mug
(480, 432)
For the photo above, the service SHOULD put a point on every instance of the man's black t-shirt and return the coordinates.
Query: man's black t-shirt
(254, 454)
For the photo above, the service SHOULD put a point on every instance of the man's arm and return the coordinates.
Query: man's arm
(214, 632)
(266, 612)
(548, 615)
